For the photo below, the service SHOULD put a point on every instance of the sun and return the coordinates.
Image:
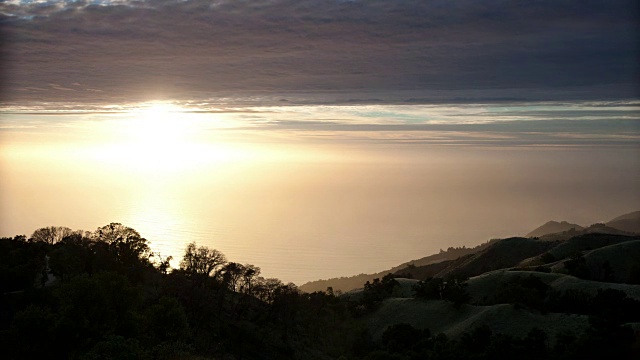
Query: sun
(159, 124)
(166, 138)
(163, 137)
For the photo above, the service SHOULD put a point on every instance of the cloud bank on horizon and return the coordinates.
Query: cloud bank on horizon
(375, 51)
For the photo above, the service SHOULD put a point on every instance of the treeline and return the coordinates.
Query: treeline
(112, 298)
(104, 295)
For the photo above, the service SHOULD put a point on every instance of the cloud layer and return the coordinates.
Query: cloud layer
(550, 125)
(319, 50)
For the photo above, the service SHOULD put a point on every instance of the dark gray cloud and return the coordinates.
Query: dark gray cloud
(319, 50)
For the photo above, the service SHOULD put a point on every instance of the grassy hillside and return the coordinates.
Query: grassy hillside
(563, 249)
(501, 254)
(523, 253)
(426, 271)
(483, 287)
(441, 317)
(588, 242)
(616, 263)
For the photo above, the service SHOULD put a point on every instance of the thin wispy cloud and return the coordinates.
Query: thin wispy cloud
(499, 125)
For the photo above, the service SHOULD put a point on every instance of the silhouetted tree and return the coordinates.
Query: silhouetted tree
(163, 264)
(529, 291)
(51, 234)
(75, 254)
(128, 246)
(431, 288)
(577, 266)
(453, 289)
(266, 289)
(231, 274)
(285, 307)
(248, 281)
(202, 262)
(376, 291)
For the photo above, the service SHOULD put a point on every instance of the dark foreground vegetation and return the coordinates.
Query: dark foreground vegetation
(105, 295)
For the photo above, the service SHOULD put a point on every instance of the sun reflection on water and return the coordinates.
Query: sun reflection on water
(158, 213)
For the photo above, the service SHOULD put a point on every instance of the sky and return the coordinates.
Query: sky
(319, 51)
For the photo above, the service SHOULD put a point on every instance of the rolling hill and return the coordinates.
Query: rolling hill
(501, 254)
(628, 222)
(553, 227)
(440, 317)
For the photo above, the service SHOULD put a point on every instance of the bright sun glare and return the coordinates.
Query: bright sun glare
(160, 124)
(164, 136)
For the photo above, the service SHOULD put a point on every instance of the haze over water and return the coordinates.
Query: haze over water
(308, 192)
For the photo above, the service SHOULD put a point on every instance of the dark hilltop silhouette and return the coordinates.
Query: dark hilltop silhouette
(628, 222)
(553, 227)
